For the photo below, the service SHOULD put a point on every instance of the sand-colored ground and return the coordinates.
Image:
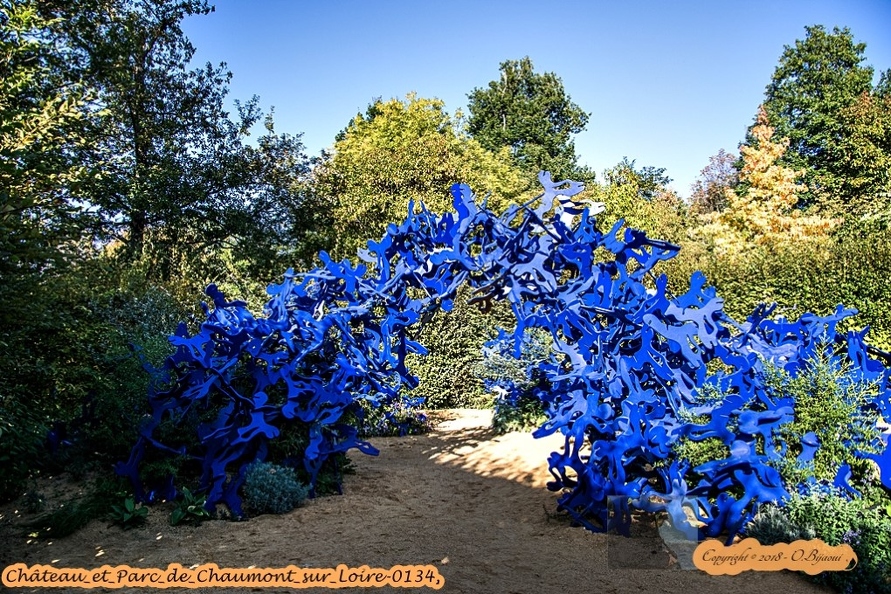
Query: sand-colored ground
(470, 503)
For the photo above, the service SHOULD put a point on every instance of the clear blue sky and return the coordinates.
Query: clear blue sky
(666, 83)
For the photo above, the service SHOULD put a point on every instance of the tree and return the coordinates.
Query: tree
(178, 183)
(645, 182)
(111, 146)
(815, 81)
(640, 196)
(41, 113)
(709, 191)
(41, 128)
(401, 151)
(762, 210)
(865, 153)
(532, 115)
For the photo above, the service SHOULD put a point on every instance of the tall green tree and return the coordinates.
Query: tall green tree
(124, 185)
(532, 115)
(646, 182)
(41, 127)
(41, 118)
(809, 98)
(865, 154)
(179, 184)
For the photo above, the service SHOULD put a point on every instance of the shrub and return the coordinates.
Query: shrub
(22, 434)
(836, 520)
(288, 450)
(34, 502)
(515, 380)
(853, 269)
(71, 380)
(830, 403)
(272, 489)
(699, 452)
(329, 480)
(68, 518)
(455, 343)
(771, 526)
(517, 413)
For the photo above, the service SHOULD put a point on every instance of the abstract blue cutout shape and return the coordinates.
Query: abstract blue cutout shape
(629, 366)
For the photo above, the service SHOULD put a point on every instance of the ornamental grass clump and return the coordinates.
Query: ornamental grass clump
(272, 489)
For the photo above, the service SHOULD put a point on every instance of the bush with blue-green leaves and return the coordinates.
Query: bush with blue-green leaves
(839, 496)
(272, 489)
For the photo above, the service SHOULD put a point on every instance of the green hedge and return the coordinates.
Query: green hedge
(455, 343)
(853, 269)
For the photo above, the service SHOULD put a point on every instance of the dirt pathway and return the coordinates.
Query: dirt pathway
(470, 503)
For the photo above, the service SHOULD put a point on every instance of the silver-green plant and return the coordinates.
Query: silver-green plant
(272, 489)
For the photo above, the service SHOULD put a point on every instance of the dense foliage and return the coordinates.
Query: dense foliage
(532, 115)
(272, 489)
(516, 381)
(400, 151)
(124, 192)
(835, 519)
(822, 99)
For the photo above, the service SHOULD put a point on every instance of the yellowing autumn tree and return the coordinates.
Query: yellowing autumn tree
(762, 209)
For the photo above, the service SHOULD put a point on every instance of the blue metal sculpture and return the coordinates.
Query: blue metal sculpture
(629, 367)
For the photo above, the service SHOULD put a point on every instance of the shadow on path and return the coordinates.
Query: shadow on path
(469, 502)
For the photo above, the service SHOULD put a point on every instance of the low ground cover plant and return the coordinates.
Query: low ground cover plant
(272, 489)
(836, 518)
(190, 509)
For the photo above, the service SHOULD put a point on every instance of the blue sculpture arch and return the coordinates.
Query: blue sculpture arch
(629, 367)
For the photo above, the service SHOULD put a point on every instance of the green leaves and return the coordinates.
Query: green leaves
(856, 522)
(190, 509)
(819, 98)
(530, 114)
(127, 514)
(401, 151)
(173, 181)
(834, 407)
